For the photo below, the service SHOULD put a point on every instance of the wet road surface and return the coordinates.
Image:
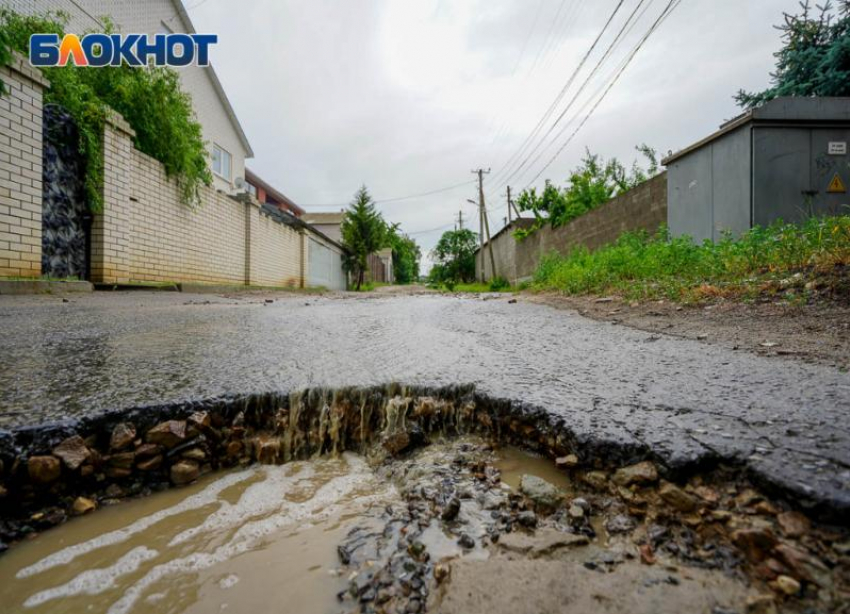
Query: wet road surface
(685, 400)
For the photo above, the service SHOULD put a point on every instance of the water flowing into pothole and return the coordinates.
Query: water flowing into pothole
(384, 500)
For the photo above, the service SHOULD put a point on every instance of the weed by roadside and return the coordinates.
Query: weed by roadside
(479, 288)
(787, 260)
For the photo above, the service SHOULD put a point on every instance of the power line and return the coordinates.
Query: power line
(516, 66)
(671, 6)
(585, 105)
(423, 232)
(546, 43)
(561, 94)
(608, 52)
(400, 198)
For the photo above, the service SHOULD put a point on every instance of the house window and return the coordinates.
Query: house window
(222, 163)
(251, 189)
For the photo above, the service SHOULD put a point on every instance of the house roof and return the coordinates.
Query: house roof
(786, 110)
(284, 217)
(324, 218)
(252, 178)
(210, 71)
(516, 224)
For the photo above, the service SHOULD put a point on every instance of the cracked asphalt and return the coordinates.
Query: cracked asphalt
(686, 401)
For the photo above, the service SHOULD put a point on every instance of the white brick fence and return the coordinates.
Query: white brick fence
(144, 233)
(20, 170)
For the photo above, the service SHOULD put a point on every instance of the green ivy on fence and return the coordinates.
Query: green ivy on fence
(150, 99)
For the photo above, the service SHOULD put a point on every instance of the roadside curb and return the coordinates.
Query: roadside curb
(133, 287)
(196, 288)
(40, 286)
(193, 288)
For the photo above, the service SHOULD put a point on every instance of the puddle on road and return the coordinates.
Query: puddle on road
(514, 463)
(243, 541)
(266, 539)
(246, 540)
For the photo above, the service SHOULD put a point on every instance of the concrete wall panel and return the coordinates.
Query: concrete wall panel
(690, 188)
(731, 166)
(644, 208)
(781, 173)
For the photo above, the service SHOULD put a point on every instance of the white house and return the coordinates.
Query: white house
(228, 145)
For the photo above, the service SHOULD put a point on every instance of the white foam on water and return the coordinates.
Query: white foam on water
(207, 496)
(267, 500)
(95, 581)
(228, 582)
(258, 499)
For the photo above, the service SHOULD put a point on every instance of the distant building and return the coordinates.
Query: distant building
(787, 159)
(227, 143)
(328, 224)
(385, 256)
(267, 194)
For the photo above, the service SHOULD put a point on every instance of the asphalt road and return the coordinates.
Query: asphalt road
(686, 401)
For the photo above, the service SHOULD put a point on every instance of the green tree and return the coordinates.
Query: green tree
(454, 257)
(364, 232)
(593, 183)
(406, 255)
(815, 57)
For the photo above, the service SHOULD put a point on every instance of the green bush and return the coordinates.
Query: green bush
(150, 99)
(638, 265)
(497, 284)
(591, 184)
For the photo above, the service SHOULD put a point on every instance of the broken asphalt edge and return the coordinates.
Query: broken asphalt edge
(600, 452)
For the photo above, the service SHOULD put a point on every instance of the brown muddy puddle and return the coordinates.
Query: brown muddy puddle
(257, 540)
(250, 540)
(262, 539)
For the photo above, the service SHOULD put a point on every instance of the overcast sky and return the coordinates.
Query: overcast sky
(408, 96)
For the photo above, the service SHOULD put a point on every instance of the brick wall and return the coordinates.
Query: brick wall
(277, 252)
(20, 170)
(146, 234)
(643, 208)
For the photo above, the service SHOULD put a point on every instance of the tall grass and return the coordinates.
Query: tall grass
(638, 265)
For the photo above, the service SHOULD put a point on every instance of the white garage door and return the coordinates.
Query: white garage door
(325, 267)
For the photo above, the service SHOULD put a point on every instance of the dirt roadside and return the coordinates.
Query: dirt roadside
(818, 333)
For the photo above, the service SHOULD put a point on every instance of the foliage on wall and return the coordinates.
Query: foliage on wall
(5, 57)
(593, 183)
(150, 99)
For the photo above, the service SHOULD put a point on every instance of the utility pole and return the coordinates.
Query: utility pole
(484, 225)
(459, 220)
(511, 204)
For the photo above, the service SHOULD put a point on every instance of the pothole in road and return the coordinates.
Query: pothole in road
(405, 503)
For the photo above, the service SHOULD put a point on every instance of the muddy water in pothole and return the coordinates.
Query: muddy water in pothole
(256, 540)
(514, 463)
(266, 539)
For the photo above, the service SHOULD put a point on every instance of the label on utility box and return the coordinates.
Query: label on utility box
(838, 148)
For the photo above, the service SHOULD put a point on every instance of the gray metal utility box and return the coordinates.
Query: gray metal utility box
(784, 160)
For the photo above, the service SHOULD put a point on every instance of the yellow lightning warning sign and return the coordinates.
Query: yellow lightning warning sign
(836, 186)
